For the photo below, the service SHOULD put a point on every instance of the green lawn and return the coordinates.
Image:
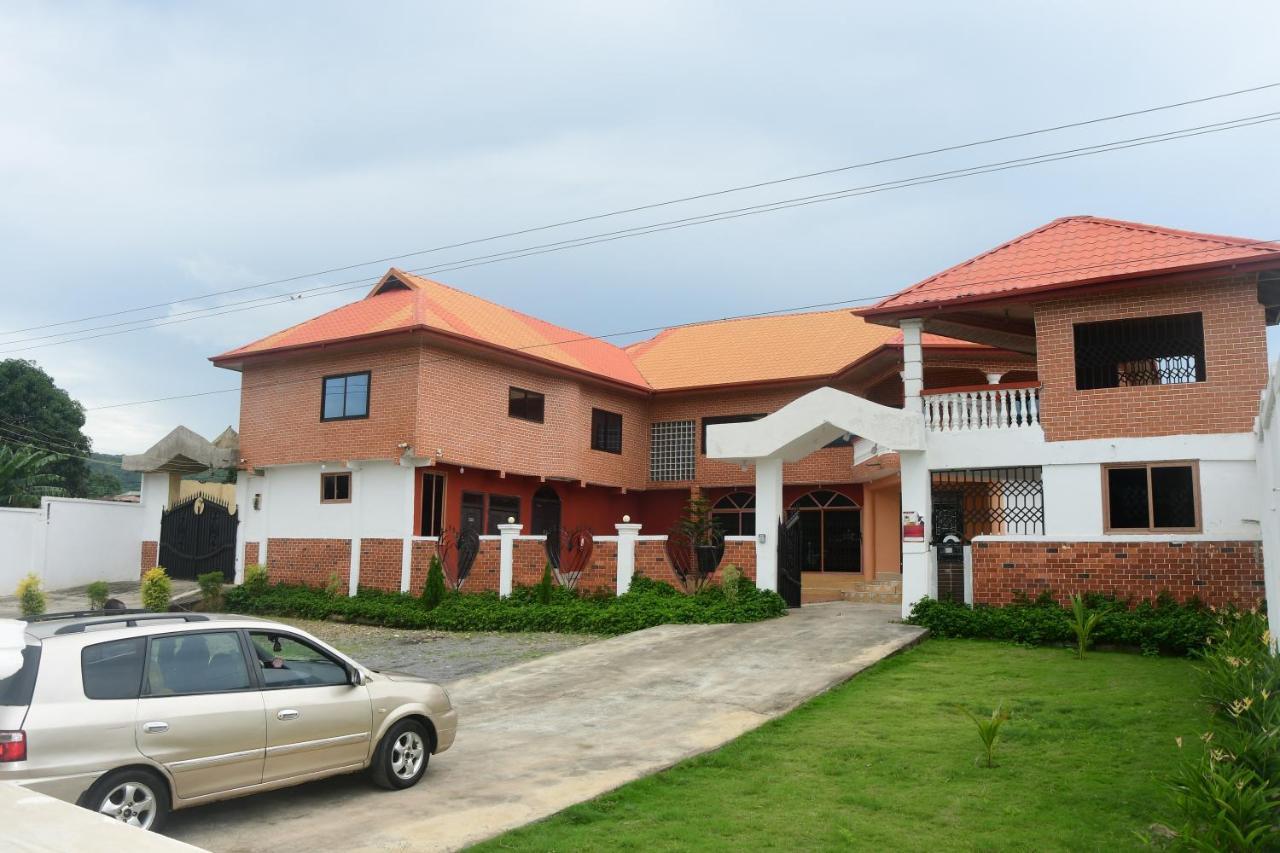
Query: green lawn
(883, 763)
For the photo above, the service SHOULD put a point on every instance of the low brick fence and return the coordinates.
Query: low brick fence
(1217, 573)
(382, 562)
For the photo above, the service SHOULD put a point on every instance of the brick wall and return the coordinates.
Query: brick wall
(484, 571)
(741, 554)
(1235, 362)
(420, 554)
(309, 561)
(1217, 573)
(150, 555)
(602, 574)
(380, 561)
(251, 553)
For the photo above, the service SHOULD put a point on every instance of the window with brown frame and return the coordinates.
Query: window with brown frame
(335, 488)
(432, 523)
(1151, 497)
(606, 431)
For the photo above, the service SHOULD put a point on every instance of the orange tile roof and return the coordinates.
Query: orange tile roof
(726, 352)
(1070, 252)
(756, 349)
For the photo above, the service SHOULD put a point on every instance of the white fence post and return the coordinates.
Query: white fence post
(507, 534)
(627, 534)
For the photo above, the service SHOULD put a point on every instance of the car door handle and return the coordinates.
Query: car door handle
(155, 728)
(288, 714)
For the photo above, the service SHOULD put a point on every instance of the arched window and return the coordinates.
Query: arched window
(830, 531)
(735, 514)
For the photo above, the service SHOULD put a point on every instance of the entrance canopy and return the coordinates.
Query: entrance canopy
(183, 451)
(810, 423)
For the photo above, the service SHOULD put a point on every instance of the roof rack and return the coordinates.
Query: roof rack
(81, 614)
(130, 618)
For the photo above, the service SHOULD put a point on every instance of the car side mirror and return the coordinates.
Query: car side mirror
(354, 677)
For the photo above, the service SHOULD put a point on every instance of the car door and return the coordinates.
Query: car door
(201, 714)
(317, 720)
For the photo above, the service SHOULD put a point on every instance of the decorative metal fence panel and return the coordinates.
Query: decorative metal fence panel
(987, 501)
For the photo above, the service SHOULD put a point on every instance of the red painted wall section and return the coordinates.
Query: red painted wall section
(1217, 573)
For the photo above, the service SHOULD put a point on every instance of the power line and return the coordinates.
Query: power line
(417, 363)
(669, 202)
(669, 225)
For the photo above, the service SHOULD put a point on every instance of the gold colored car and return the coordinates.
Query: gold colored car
(134, 714)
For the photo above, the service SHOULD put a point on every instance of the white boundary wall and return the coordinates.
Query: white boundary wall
(1268, 505)
(71, 542)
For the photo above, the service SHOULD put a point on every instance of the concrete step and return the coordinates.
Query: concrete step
(865, 597)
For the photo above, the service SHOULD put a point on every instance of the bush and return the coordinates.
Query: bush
(434, 591)
(255, 577)
(157, 589)
(731, 580)
(333, 587)
(648, 603)
(210, 584)
(1164, 627)
(1229, 794)
(30, 595)
(542, 592)
(98, 592)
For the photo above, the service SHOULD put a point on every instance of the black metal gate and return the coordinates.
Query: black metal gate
(790, 559)
(198, 535)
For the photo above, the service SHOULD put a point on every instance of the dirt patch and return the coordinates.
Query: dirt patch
(442, 656)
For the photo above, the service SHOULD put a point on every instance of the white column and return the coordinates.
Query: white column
(627, 534)
(919, 576)
(354, 526)
(406, 525)
(507, 534)
(912, 363)
(243, 508)
(768, 516)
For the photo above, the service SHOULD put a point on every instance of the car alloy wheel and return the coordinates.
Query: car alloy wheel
(406, 755)
(130, 802)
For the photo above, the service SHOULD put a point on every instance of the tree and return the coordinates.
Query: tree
(102, 485)
(35, 411)
(25, 475)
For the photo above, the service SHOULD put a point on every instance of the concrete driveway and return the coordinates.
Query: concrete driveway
(540, 736)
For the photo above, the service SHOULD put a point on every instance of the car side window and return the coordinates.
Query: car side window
(208, 662)
(113, 670)
(288, 661)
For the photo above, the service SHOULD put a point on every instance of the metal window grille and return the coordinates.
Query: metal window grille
(1144, 351)
(987, 501)
(671, 451)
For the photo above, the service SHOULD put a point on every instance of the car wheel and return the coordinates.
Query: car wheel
(136, 796)
(402, 756)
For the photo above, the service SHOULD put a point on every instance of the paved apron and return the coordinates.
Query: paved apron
(540, 736)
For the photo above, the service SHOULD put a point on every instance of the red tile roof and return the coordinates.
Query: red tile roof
(726, 352)
(1070, 252)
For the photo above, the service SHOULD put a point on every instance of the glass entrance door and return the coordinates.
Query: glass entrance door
(830, 526)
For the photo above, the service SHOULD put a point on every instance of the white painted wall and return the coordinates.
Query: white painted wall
(1268, 474)
(291, 507)
(70, 542)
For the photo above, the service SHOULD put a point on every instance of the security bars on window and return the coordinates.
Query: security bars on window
(988, 501)
(671, 451)
(1143, 351)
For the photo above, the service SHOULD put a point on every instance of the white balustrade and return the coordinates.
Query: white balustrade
(986, 408)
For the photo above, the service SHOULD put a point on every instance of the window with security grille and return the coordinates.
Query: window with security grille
(671, 451)
(1151, 497)
(606, 431)
(1143, 351)
(987, 502)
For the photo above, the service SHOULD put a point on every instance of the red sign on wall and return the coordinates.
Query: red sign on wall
(912, 527)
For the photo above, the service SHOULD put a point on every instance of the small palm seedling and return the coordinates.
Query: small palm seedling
(1082, 622)
(988, 729)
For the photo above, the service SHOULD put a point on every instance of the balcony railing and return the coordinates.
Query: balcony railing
(1011, 406)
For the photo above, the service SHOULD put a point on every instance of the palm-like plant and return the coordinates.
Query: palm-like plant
(24, 476)
(1083, 622)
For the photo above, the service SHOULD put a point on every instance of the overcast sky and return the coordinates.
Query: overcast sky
(151, 152)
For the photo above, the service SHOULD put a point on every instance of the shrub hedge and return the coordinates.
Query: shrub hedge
(648, 603)
(1163, 627)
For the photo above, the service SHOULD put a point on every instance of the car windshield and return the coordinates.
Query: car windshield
(16, 689)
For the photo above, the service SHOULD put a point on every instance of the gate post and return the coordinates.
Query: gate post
(506, 556)
(627, 535)
(768, 517)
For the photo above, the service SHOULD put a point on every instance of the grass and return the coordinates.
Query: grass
(885, 762)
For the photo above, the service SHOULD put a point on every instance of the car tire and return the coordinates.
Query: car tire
(133, 795)
(401, 757)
